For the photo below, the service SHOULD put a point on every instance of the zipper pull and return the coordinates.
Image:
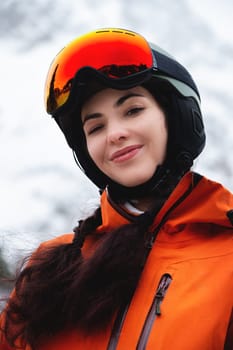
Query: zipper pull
(148, 246)
(161, 291)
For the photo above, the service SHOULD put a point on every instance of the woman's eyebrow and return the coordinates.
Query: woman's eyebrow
(90, 116)
(118, 103)
(122, 99)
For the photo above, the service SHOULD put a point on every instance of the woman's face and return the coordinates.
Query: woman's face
(126, 134)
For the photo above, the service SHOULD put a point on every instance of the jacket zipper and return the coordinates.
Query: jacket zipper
(118, 324)
(155, 310)
(113, 341)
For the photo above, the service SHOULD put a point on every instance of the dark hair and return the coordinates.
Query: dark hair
(60, 288)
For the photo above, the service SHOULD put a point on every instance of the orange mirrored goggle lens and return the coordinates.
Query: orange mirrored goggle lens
(101, 50)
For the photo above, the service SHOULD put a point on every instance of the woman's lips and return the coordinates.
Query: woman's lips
(125, 153)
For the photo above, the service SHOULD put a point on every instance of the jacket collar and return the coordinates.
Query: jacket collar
(207, 202)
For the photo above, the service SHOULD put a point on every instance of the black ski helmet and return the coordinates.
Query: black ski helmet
(73, 77)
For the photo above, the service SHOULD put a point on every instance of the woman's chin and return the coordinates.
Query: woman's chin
(134, 182)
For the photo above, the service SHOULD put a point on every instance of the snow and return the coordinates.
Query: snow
(43, 193)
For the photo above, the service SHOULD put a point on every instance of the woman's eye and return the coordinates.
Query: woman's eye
(94, 129)
(134, 110)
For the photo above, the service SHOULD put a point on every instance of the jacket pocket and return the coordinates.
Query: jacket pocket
(155, 310)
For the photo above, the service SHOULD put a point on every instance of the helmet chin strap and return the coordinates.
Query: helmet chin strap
(162, 182)
(120, 192)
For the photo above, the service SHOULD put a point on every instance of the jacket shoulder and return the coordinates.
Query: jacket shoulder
(53, 242)
(62, 239)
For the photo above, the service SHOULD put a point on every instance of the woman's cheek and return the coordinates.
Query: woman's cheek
(94, 149)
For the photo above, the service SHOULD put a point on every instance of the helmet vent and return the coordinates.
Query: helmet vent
(198, 126)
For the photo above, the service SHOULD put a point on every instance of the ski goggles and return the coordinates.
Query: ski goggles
(113, 53)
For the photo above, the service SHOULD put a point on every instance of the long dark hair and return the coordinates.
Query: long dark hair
(60, 288)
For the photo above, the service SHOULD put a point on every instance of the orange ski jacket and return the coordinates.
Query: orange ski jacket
(184, 297)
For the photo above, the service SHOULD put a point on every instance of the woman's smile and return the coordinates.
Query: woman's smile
(125, 153)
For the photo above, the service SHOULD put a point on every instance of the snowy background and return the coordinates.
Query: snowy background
(42, 192)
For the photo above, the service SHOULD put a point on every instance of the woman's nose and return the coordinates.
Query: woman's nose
(117, 132)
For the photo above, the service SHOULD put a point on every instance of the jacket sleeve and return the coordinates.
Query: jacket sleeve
(4, 345)
(3, 342)
(229, 337)
(66, 238)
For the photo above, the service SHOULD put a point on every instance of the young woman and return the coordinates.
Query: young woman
(152, 267)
